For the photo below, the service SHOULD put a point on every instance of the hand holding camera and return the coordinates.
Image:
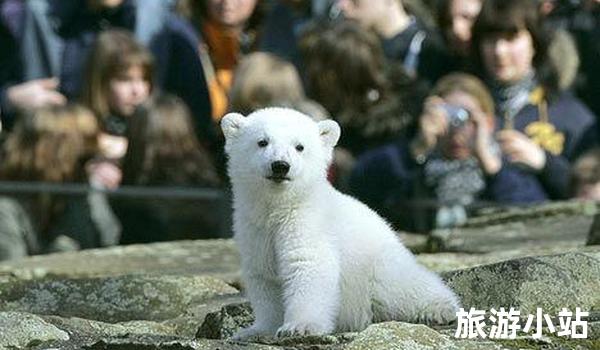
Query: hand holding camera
(459, 132)
(432, 125)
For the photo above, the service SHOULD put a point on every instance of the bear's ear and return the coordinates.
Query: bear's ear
(329, 131)
(231, 123)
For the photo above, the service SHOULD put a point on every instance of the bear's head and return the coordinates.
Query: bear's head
(278, 147)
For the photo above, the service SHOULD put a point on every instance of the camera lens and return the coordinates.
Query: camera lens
(457, 116)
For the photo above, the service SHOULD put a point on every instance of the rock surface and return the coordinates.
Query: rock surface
(225, 322)
(184, 295)
(217, 258)
(21, 331)
(565, 225)
(550, 282)
(594, 233)
(112, 299)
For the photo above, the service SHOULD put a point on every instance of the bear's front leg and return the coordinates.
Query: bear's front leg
(265, 298)
(311, 291)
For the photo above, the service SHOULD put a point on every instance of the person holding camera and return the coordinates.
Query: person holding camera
(450, 165)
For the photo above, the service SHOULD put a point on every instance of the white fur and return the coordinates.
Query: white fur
(314, 260)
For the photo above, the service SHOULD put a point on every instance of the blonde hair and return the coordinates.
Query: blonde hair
(114, 52)
(50, 144)
(468, 84)
(261, 80)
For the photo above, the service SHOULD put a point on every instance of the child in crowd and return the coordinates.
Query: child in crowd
(54, 40)
(164, 151)
(263, 80)
(119, 77)
(54, 145)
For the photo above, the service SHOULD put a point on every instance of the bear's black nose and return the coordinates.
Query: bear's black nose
(280, 168)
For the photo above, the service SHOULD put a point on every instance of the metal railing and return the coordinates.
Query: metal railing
(218, 197)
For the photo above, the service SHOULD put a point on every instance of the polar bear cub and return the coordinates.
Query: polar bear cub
(314, 260)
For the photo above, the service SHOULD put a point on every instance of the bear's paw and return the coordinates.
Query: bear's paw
(294, 329)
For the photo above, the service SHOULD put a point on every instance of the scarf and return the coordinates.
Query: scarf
(454, 181)
(455, 184)
(510, 99)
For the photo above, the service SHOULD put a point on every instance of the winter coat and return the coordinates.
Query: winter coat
(571, 132)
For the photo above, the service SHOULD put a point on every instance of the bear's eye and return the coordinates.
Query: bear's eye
(263, 143)
(299, 148)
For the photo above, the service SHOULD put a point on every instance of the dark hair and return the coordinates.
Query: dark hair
(163, 149)
(195, 11)
(347, 72)
(50, 144)
(507, 17)
(344, 62)
(444, 17)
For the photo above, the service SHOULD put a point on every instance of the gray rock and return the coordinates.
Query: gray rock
(162, 343)
(21, 331)
(556, 224)
(539, 232)
(217, 258)
(187, 325)
(594, 234)
(406, 336)
(112, 299)
(500, 215)
(449, 261)
(81, 328)
(77, 333)
(549, 282)
(225, 322)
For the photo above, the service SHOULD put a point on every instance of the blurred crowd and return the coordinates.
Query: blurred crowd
(446, 106)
